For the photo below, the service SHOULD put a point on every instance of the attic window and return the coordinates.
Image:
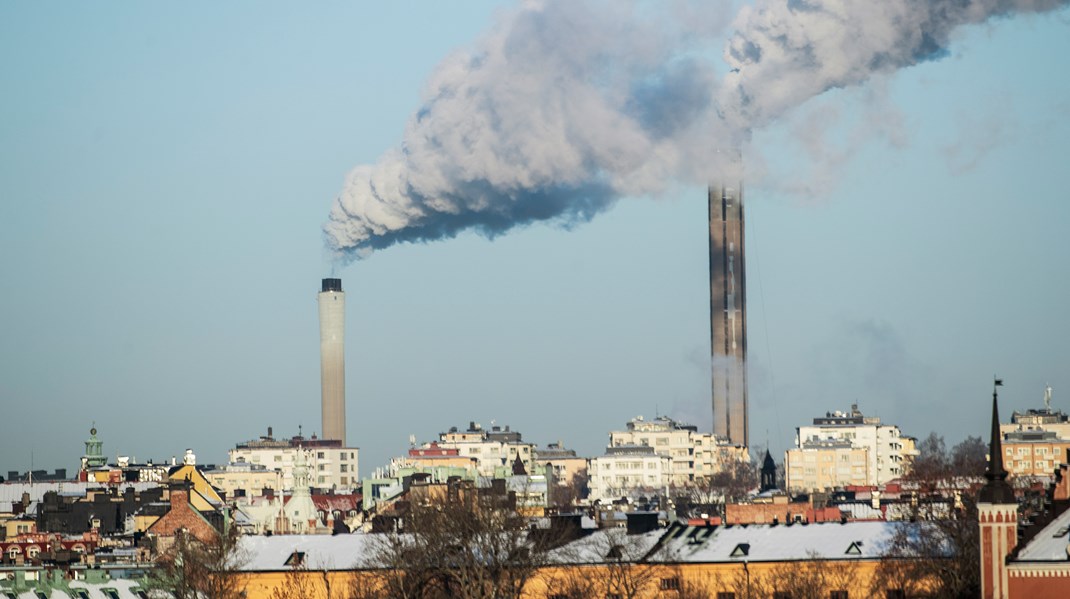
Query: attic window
(296, 559)
(615, 552)
(855, 548)
(110, 593)
(81, 593)
(741, 550)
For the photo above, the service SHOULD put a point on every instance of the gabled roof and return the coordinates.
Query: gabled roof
(1050, 544)
(759, 543)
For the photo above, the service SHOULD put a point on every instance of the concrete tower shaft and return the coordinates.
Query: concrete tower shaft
(332, 306)
(728, 313)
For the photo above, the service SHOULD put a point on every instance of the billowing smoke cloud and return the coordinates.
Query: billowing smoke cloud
(567, 105)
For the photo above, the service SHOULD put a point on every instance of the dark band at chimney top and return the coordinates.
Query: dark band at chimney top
(332, 285)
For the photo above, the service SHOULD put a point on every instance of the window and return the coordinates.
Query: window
(895, 594)
(726, 595)
(320, 455)
(670, 584)
(110, 593)
(344, 468)
(81, 593)
(838, 595)
(781, 595)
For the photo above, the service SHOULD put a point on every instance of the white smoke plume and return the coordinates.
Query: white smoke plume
(567, 105)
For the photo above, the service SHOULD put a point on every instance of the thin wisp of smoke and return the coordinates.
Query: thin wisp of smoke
(567, 105)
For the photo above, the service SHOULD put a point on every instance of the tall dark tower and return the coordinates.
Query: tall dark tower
(728, 313)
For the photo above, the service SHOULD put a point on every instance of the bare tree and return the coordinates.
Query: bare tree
(570, 582)
(814, 578)
(471, 545)
(195, 569)
(938, 551)
(568, 495)
(630, 571)
(299, 582)
(938, 555)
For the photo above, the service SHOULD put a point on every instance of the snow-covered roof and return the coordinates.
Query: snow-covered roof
(37, 490)
(607, 544)
(861, 510)
(763, 542)
(123, 588)
(1050, 544)
(341, 552)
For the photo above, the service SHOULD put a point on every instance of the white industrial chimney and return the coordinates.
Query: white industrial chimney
(332, 301)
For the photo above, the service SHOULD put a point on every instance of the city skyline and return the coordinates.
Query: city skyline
(166, 178)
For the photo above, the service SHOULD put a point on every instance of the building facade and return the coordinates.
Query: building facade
(495, 450)
(693, 455)
(626, 470)
(826, 464)
(332, 465)
(889, 451)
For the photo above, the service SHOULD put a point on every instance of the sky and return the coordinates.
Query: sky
(167, 171)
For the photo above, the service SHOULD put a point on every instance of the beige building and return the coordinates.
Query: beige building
(563, 465)
(244, 479)
(889, 450)
(693, 455)
(332, 466)
(826, 464)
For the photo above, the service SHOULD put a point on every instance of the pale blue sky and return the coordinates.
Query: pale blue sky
(165, 171)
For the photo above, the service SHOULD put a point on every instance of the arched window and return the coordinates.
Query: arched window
(13, 552)
(32, 551)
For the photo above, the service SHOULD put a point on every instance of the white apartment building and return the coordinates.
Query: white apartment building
(693, 455)
(495, 450)
(627, 470)
(889, 451)
(330, 465)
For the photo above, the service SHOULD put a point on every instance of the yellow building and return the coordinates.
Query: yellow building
(826, 464)
(831, 560)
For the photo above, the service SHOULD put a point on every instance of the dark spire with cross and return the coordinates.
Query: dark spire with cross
(996, 490)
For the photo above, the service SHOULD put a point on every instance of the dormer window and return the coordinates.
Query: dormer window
(741, 550)
(854, 549)
(296, 559)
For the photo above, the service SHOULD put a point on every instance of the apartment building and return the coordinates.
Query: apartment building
(331, 465)
(626, 470)
(826, 464)
(494, 450)
(693, 455)
(889, 451)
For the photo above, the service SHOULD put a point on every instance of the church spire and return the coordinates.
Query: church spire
(996, 490)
